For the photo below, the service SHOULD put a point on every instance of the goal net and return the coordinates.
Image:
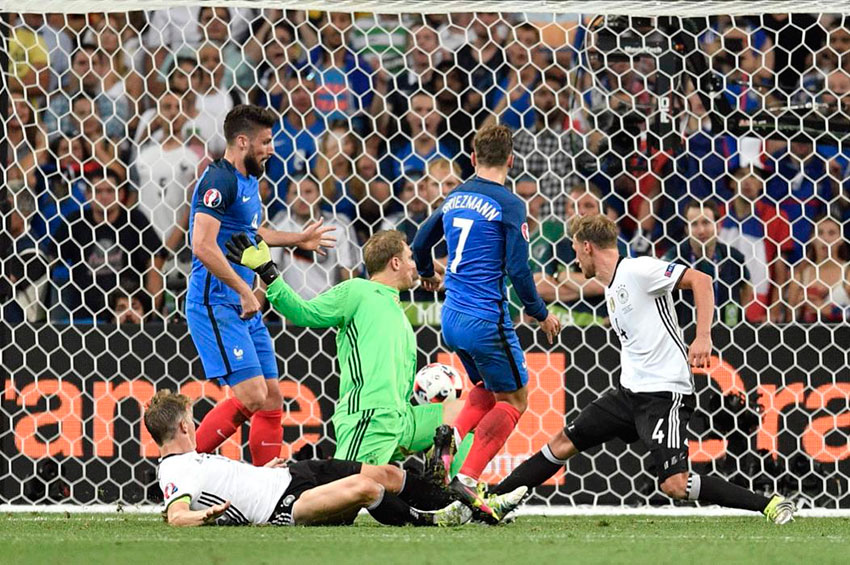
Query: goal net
(714, 133)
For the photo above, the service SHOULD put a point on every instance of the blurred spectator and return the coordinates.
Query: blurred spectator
(126, 308)
(295, 136)
(373, 194)
(820, 289)
(338, 150)
(482, 59)
(212, 101)
(29, 56)
(121, 82)
(24, 268)
(543, 151)
(65, 189)
(103, 246)
(280, 54)
(309, 273)
(101, 149)
(756, 227)
(443, 177)
(511, 100)
(166, 171)
(382, 40)
(421, 141)
(180, 83)
(344, 84)
(83, 80)
(25, 144)
(577, 300)
(725, 265)
(57, 41)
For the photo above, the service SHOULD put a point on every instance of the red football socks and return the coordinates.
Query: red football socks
(266, 436)
(478, 403)
(490, 436)
(219, 424)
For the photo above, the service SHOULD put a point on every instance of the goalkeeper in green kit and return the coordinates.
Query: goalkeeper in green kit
(374, 420)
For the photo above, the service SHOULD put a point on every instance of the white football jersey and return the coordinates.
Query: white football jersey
(208, 480)
(653, 355)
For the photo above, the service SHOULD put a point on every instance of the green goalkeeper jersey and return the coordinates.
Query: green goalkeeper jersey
(375, 344)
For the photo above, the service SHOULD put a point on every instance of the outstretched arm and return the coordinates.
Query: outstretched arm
(314, 238)
(325, 311)
(179, 514)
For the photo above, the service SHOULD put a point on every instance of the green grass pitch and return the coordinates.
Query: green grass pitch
(532, 540)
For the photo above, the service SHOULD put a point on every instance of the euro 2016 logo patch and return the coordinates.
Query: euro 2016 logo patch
(669, 272)
(169, 490)
(212, 198)
(524, 230)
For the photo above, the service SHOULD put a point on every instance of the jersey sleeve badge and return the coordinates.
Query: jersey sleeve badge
(212, 198)
(669, 272)
(169, 490)
(524, 230)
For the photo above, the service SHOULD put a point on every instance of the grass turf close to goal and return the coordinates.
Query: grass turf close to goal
(531, 540)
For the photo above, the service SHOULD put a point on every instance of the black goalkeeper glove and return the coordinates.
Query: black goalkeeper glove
(258, 258)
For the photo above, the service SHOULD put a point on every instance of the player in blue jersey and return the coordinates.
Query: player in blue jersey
(487, 237)
(222, 312)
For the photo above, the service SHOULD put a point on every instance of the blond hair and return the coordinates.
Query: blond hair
(599, 230)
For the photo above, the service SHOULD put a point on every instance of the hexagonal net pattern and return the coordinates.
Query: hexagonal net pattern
(714, 141)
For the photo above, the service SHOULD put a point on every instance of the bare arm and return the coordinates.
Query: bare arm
(700, 284)
(314, 238)
(179, 514)
(154, 282)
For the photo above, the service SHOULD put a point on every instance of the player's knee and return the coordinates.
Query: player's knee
(561, 446)
(254, 402)
(518, 399)
(676, 486)
(273, 399)
(367, 490)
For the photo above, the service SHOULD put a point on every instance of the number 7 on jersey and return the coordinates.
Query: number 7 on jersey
(465, 224)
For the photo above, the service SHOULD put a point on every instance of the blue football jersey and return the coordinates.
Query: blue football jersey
(487, 237)
(234, 200)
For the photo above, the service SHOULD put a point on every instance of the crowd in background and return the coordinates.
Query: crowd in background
(113, 117)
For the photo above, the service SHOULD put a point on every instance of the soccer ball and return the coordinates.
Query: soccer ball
(435, 383)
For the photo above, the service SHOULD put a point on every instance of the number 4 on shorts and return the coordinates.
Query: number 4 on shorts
(658, 434)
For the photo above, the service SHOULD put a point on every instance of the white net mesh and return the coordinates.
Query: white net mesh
(634, 117)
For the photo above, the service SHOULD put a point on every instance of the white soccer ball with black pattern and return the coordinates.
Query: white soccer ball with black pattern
(436, 382)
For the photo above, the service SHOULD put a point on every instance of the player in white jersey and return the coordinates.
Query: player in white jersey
(655, 399)
(201, 489)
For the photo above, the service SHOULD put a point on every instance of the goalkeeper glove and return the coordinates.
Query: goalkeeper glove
(258, 258)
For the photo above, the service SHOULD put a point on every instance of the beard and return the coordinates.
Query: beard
(252, 166)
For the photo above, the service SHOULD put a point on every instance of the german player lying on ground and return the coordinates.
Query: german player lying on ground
(201, 489)
(655, 398)
(374, 420)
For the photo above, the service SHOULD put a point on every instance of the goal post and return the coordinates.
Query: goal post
(714, 133)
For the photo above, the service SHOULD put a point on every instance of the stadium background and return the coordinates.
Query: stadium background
(91, 322)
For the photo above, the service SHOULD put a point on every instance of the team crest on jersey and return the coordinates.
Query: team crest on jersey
(212, 198)
(524, 230)
(169, 490)
(238, 352)
(622, 294)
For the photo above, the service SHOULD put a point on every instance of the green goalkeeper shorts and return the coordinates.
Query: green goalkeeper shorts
(377, 437)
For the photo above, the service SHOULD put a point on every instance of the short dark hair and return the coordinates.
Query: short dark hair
(105, 173)
(246, 119)
(493, 145)
(382, 247)
(164, 413)
(702, 205)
